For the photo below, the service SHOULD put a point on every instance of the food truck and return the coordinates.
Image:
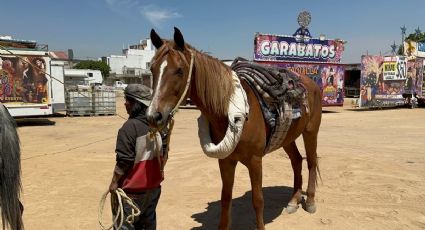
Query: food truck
(27, 87)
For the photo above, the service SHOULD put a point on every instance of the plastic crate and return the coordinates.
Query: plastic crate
(104, 102)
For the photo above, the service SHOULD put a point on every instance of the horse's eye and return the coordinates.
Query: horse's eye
(179, 72)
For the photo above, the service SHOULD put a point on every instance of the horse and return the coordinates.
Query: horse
(180, 71)
(10, 172)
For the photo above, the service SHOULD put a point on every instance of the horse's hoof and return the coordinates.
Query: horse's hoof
(310, 208)
(291, 208)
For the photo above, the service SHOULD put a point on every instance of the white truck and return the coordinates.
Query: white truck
(83, 77)
(120, 85)
(31, 83)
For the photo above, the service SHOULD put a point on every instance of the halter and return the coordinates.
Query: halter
(189, 78)
(170, 121)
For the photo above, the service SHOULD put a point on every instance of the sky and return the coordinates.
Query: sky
(225, 29)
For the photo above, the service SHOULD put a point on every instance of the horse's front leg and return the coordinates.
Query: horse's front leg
(227, 171)
(256, 175)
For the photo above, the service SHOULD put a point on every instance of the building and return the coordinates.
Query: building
(133, 66)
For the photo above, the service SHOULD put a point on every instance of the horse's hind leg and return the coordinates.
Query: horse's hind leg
(310, 143)
(227, 171)
(296, 162)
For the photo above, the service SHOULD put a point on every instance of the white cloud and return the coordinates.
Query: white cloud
(154, 14)
(157, 16)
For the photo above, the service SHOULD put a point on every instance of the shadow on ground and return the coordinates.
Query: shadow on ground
(329, 111)
(243, 215)
(22, 122)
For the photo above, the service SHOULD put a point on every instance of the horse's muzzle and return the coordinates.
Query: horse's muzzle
(155, 120)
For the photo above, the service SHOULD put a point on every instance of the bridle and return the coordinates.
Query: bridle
(189, 78)
(170, 121)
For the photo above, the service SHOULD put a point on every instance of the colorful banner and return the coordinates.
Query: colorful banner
(414, 79)
(423, 76)
(23, 80)
(421, 46)
(394, 68)
(378, 91)
(287, 48)
(414, 49)
(329, 78)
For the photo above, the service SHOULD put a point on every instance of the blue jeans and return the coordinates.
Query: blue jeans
(146, 202)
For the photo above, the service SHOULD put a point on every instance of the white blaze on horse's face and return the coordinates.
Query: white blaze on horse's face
(155, 117)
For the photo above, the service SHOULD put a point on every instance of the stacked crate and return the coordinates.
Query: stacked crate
(104, 100)
(78, 102)
(89, 101)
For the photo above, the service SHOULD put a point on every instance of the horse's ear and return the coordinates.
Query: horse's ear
(156, 40)
(178, 39)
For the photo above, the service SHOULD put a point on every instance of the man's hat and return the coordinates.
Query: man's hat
(139, 92)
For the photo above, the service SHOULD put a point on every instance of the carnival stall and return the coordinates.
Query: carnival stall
(388, 81)
(317, 58)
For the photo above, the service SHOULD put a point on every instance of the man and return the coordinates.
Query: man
(139, 160)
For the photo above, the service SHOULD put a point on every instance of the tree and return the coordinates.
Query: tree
(417, 36)
(97, 65)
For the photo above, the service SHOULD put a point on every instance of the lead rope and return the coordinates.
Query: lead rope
(121, 196)
(163, 161)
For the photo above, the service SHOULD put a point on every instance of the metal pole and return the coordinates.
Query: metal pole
(403, 33)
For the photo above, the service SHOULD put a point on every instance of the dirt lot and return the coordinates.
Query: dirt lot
(372, 165)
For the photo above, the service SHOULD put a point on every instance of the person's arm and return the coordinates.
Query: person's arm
(125, 154)
(120, 169)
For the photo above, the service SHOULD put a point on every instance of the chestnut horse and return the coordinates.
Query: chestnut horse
(180, 71)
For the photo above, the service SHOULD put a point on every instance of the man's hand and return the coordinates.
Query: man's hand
(113, 186)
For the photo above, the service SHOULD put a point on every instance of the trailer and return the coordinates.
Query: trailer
(389, 81)
(31, 83)
(83, 77)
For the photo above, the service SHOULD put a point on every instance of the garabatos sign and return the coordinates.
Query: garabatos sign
(287, 48)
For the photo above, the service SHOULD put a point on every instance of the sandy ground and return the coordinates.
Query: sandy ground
(372, 165)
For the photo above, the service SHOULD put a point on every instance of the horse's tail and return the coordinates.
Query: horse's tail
(318, 172)
(10, 172)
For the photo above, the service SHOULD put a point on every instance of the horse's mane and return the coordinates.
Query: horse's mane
(213, 80)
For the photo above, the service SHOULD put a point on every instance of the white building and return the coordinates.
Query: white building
(134, 64)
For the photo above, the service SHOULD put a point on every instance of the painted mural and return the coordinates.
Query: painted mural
(329, 78)
(387, 81)
(23, 80)
(423, 77)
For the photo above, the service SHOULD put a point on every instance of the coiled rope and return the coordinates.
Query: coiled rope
(121, 197)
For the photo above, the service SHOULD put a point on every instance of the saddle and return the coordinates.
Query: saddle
(280, 94)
